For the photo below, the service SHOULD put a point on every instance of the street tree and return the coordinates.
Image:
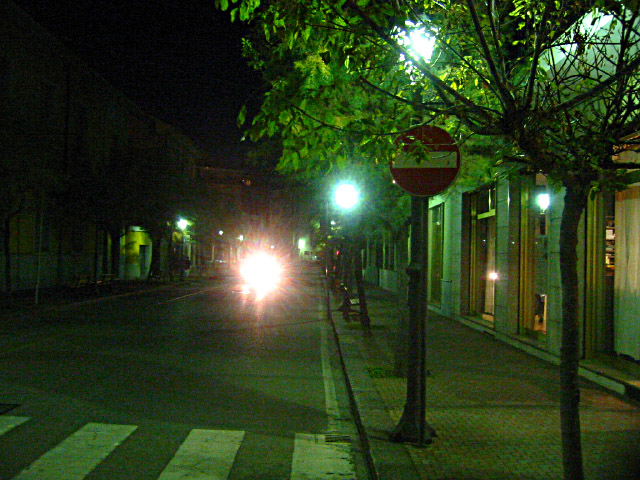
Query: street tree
(556, 83)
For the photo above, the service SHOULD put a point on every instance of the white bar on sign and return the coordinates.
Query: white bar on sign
(315, 459)
(432, 160)
(79, 454)
(8, 422)
(204, 455)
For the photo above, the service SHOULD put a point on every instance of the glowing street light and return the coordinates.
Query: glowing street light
(346, 196)
(417, 40)
(543, 200)
(183, 224)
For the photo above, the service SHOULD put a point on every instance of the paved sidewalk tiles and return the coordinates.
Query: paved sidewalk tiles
(494, 408)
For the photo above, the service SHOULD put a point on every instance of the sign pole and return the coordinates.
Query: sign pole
(412, 426)
(422, 174)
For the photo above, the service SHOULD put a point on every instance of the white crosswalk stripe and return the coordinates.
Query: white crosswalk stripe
(78, 454)
(8, 422)
(203, 455)
(315, 459)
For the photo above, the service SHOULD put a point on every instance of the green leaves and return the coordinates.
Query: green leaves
(242, 116)
(339, 91)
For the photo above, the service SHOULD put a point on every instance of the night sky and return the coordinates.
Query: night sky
(179, 61)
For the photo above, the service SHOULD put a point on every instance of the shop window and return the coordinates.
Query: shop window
(622, 233)
(482, 255)
(534, 257)
(436, 239)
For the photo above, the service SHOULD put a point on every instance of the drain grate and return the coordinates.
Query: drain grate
(7, 407)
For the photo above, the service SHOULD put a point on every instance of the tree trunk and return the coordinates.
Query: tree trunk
(365, 321)
(346, 280)
(574, 204)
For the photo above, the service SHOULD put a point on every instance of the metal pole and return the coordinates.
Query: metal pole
(412, 426)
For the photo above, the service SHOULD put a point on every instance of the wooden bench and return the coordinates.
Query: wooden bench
(350, 306)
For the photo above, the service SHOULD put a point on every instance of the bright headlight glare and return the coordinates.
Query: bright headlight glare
(261, 272)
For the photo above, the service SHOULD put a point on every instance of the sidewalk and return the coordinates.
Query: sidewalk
(495, 408)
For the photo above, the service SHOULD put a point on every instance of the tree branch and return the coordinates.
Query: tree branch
(528, 98)
(447, 93)
(503, 92)
(600, 87)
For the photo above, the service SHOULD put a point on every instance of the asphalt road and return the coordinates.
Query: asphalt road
(192, 381)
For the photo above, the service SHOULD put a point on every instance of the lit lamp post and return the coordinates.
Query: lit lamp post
(183, 224)
(179, 260)
(347, 197)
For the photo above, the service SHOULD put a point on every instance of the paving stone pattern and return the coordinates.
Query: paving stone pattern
(495, 408)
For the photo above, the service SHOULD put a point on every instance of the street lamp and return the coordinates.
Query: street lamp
(183, 224)
(543, 201)
(346, 196)
(417, 40)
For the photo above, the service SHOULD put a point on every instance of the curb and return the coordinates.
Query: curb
(385, 459)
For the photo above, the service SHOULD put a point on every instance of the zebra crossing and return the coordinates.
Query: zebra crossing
(203, 455)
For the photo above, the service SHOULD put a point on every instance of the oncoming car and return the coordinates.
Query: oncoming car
(262, 273)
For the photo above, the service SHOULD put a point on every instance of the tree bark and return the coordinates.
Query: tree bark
(574, 204)
(365, 321)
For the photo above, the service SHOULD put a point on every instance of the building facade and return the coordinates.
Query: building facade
(494, 264)
(80, 165)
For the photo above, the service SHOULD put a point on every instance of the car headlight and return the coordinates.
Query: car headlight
(261, 272)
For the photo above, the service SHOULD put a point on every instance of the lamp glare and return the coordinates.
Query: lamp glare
(543, 201)
(346, 196)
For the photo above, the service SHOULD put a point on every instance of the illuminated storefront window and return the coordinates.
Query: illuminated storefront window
(482, 253)
(436, 253)
(534, 257)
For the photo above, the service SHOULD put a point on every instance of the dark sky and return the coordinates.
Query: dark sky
(178, 60)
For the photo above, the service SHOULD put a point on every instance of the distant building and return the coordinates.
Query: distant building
(79, 163)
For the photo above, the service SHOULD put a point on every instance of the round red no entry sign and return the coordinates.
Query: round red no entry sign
(431, 173)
